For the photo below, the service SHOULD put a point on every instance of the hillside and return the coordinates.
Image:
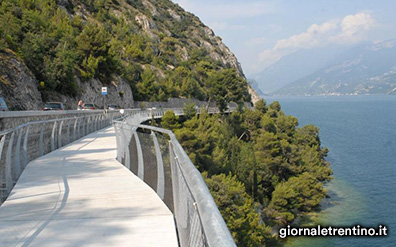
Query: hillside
(142, 50)
(365, 69)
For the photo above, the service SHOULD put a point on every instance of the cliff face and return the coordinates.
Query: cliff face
(119, 92)
(253, 94)
(20, 90)
(159, 17)
(142, 49)
(17, 84)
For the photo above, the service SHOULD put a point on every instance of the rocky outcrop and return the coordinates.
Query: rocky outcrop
(220, 52)
(147, 24)
(19, 88)
(160, 20)
(253, 94)
(118, 92)
(17, 84)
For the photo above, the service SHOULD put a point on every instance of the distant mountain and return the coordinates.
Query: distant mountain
(253, 83)
(295, 66)
(365, 69)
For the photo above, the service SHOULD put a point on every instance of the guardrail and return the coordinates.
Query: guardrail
(28, 141)
(156, 157)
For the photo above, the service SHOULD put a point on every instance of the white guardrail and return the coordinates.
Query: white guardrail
(28, 141)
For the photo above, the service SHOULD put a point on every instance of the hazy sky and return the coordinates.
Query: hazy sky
(259, 32)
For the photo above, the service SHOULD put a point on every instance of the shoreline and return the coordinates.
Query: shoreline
(342, 208)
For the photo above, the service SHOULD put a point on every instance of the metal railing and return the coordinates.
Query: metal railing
(26, 142)
(156, 157)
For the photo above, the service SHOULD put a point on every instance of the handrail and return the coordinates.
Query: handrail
(197, 216)
(23, 143)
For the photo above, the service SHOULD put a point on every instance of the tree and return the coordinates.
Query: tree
(10, 29)
(246, 169)
(226, 86)
(170, 120)
(298, 194)
(190, 110)
(148, 87)
(275, 106)
(60, 70)
(93, 45)
(261, 106)
(239, 211)
(268, 124)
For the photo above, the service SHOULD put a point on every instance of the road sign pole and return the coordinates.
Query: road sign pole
(104, 93)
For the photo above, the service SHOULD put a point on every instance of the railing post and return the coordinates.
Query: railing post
(118, 141)
(97, 122)
(125, 147)
(17, 165)
(91, 124)
(68, 132)
(53, 137)
(175, 182)
(25, 147)
(8, 168)
(140, 156)
(75, 130)
(60, 135)
(94, 123)
(83, 126)
(88, 125)
(2, 142)
(160, 168)
(88, 130)
(41, 148)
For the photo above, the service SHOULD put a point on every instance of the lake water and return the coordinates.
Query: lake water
(360, 132)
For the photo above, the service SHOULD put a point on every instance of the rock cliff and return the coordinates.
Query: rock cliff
(17, 84)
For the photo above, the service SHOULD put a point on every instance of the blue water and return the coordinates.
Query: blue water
(360, 132)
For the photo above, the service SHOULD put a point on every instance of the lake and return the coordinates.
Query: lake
(360, 132)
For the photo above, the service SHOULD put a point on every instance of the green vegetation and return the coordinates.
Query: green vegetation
(160, 55)
(262, 170)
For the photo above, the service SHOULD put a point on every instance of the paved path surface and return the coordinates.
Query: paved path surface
(81, 196)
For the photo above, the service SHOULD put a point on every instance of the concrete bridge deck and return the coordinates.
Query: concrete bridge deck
(79, 195)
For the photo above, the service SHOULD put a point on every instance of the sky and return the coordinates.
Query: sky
(260, 32)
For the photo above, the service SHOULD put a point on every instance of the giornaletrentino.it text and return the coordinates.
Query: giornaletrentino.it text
(319, 231)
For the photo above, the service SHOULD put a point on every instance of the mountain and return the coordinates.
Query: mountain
(253, 83)
(295, 66)
(140, 49)
(364, 69)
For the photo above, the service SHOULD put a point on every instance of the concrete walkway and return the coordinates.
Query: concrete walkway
(81, 196)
